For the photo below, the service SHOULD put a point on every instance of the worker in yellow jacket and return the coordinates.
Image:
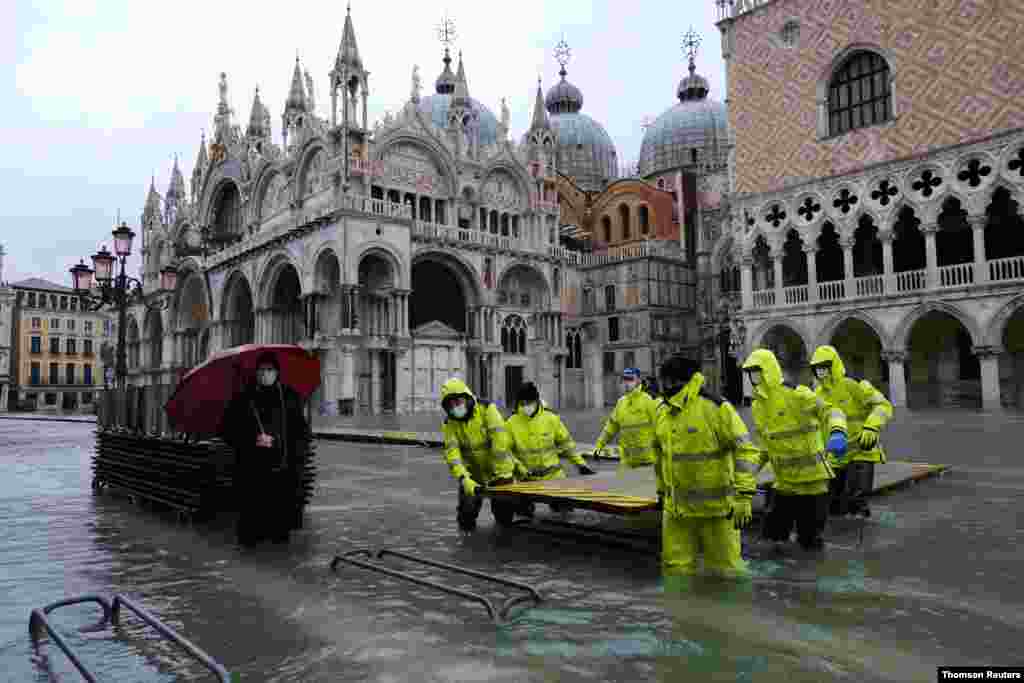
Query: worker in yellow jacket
(791, 422)
(477, 450)
(539, 442)
(632, 419)
(708, 468)
(867, 412)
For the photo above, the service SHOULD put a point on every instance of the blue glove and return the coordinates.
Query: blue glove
(837, 444)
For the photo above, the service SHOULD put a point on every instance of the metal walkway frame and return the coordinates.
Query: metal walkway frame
(497, 615)
(39, 625)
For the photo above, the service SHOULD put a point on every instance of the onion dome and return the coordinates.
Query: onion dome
(584, 150)
(435, 107)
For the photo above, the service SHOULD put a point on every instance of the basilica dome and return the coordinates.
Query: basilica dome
(435, 107)
(696, 130)
(585, 152)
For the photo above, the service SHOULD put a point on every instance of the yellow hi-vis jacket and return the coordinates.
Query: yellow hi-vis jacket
(478, 447)
(633, 420)
(705, 453)
(792, 425)
(863, 404)
(540, 442)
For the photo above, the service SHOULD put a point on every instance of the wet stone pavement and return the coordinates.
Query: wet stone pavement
(937, 580)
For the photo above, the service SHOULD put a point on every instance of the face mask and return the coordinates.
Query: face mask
(529, 409)
(459, 411)
(268, 377)
(628, 386)
(821, 373)
(755, 377)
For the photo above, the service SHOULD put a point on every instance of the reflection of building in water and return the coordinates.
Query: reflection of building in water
(869, 216)
(430, 245)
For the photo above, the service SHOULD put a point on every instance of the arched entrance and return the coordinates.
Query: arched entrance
(941, 369)
(237, 311)
(1012, 366)
(190, 321)
(442, 317)
(287, 319)
(861, 350)
(790, 350)
(379, 310)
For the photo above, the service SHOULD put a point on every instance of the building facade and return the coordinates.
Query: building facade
(7, 337)
(59, 350)
(426, 246)
(877, 173)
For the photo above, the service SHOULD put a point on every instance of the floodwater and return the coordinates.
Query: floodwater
(936, 582)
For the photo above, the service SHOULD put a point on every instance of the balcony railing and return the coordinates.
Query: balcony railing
(447, 234)
(616, 254)
(1006, 270)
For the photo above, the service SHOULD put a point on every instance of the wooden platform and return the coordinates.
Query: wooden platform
(634, 491)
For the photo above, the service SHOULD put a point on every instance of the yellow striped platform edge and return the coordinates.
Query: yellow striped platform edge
(919, 471)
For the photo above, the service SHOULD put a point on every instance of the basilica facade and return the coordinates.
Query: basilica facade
(429, 244)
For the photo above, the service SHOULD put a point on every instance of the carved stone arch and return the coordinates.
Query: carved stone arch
(833, 324)
(467, 274)
(186, 275)
(392, 256)
(750, 241)
(235, 278)
(901, 337)
(525, 265)
(260, 186)
(1012, 154)
(847, 229)
(902, 203)
(997, 325)
(269, 274)
(513, 169)
(759, 332)
(309, 150)
(215, 190)
(438, 154)
(1016, 194)
(227, 170)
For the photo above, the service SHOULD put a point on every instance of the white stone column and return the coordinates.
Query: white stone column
(849, 285)
(403, 382)
(747, 282)
(931, 258)
(991, 393)
(980, 264)
(375, 397)
(889, 274)
(812, 271)
(595, 375)
(4, 389)
(777, 264)
(347, 390)
(897, 379)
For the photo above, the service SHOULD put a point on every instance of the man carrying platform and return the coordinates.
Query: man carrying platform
(790, 422)
(867, 412)
(477, 450)
(706, 475)
(633, 420)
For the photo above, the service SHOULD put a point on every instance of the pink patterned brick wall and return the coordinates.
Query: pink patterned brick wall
(958, 76)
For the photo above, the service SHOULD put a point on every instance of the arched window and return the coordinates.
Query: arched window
(645, 219)
(859, 94)
(606, 228)
(574, 345)
(513, 335)
(624, 221)
(227, 219)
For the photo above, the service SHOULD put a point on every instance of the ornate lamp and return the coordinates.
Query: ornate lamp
(168, 278)
(103, 262)
(123, 237)
(81, 276)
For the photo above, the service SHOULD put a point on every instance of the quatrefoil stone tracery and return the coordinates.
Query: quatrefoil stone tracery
(845, 201)
(885, 192)
(808, 209)
(1017, 162)
(927, 183)
(974, 172)
(776, 216)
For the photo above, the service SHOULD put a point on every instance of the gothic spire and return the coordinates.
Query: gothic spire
(348, 52)
(540, 114)
(176, 189)
(258, 118)
(461, 86)
(297, 94)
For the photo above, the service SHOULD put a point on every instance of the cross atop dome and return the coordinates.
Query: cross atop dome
(691, 42)
(446, 32)
(562, 56)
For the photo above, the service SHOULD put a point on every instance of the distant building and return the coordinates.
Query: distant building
(7, 336)
(57, 360)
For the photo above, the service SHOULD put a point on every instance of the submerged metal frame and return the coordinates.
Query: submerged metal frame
(497, 615)
(38, 623)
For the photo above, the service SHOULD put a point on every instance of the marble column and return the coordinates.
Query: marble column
(376, 404)
(403, 382)
(991, 393)
(897, 379)
(931, 258)
(812, 271)
(777, 265)
(889, 274)
(595, 376)
(347, 390)
(849, 284)
(747, 282)
(980, 265)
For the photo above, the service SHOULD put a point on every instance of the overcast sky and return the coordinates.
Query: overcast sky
(98, 96)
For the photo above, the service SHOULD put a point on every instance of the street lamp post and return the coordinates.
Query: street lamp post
(98, 287)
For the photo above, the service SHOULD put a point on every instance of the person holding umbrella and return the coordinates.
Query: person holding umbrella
(266, 427)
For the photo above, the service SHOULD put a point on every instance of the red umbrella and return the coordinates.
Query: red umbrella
(202, 396)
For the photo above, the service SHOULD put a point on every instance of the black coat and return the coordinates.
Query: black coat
(279, 411)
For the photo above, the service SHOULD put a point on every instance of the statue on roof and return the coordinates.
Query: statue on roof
(417, 84)
(505, 117)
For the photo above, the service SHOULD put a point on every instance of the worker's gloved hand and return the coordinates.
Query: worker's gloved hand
(868, 438)
(520, 471)
(837, 444)
(598, 452)
(742, 511)
(585, 469)
(469, 486)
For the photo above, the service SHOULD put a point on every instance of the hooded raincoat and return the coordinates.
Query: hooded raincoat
(792, 425)
(540, 442)
(706, 459)
(479, 445)
(863, 404)
(633, 419)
